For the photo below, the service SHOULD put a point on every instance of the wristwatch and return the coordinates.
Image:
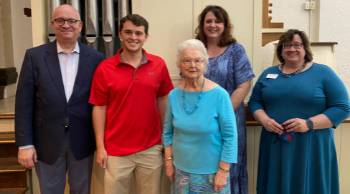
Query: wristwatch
(310, 124)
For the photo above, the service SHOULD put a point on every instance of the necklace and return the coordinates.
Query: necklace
(195, 107)
(293, 73)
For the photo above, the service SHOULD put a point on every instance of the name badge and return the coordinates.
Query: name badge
(271, 76)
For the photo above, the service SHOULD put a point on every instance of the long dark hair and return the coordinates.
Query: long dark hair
(219, 12)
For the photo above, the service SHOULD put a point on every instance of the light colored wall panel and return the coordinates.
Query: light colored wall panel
(334, 26)
(241, 15)
(253, 139)
(39, 22)
(7, 44)
(21, 31)
(170, 23)
(2, 45)
(342, 134)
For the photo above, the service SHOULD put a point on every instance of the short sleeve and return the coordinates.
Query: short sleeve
(99, 88)
(165, 82)
(256, 102)
(242, 68)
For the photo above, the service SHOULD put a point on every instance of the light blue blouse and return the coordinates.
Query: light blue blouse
(204, 138)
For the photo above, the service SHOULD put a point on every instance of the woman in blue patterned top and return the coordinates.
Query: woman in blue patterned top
(199, 133)
(299, 103)
(228, 66)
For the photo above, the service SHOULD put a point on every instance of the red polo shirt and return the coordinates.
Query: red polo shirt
(130, 94)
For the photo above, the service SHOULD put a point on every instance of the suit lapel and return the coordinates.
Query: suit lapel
(53, 66)
(83, 69)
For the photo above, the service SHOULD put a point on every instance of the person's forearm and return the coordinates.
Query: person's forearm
(224, 166)
(239, 94)
(260, 115)
(321, 121)
(168, 153)
(162, 102)
(99, 119)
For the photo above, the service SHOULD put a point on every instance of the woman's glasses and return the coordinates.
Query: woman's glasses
(189, 62)
(293, 45)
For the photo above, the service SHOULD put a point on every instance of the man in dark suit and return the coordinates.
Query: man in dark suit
(53, 118)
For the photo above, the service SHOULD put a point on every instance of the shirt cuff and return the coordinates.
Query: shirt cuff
(25, 147)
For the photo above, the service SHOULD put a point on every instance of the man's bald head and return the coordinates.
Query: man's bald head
(66, 8)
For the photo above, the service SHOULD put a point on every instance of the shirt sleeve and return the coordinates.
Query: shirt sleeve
(228, 129)
(256, 101)
(338, 107)
(99, 88)
(25, 100)
(242, 68)
(168, 128)
(165, 83)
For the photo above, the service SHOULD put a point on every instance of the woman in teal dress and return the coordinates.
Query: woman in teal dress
(228, 66)
(299, 103)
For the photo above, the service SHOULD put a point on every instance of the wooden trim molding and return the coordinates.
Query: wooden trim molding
(268, 37)
(266, 19)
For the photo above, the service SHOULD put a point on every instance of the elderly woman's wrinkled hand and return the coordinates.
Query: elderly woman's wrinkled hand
(272, 126)
(169, 170)
(220, 180)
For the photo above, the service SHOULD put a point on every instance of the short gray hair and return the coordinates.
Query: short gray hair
(191, 44)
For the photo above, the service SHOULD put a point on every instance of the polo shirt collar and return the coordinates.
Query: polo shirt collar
(145, 57)
(61, 51)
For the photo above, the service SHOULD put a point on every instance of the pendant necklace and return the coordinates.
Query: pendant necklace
(299, 70)
(195, 107)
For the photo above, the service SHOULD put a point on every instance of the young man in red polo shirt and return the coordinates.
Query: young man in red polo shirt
(129, 94)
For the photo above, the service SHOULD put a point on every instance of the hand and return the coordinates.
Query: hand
(169, 170)
(272, 126)
(295, 124)
(101, 157)
(27, 157)
(220, 180)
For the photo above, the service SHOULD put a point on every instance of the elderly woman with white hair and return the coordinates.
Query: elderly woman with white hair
(199, 134)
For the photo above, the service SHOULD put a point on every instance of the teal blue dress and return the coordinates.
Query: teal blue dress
(308, 163)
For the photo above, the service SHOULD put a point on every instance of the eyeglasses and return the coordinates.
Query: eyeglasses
(62, 21)
(191, 61)
(294, 45)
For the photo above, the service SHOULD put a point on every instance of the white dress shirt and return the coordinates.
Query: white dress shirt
(69, 68)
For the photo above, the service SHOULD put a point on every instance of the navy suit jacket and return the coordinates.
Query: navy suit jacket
(42, 114)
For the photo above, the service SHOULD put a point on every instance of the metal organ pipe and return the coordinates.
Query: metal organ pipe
(108, 27)
(75, 4)
(107, 40)
(91, 22)
(123, 9)
(52, 4)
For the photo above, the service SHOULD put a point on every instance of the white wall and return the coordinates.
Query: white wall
(21, 31)
(327, 23)
(6, 54)
(2, 54)
(291, 13)
(335, 26)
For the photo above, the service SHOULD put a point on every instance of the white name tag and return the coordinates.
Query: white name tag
(271, 76)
